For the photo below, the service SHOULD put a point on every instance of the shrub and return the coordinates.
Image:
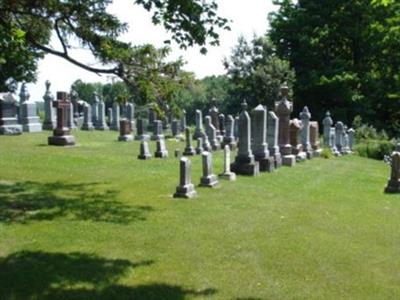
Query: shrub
(375, 149)
(326, 153)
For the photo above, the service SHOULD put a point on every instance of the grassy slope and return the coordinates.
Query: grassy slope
(93, 222)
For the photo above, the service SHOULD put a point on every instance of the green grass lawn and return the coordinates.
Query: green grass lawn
(94, 222)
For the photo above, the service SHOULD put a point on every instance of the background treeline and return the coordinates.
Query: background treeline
(335, 55)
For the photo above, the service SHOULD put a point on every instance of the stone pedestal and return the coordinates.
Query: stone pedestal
(29, 119)
(259, 145)
(62, 134)
(283, 109)
(49, 113)
(227, 174)
(161, 149)
(245, 163)
(208, 179)
(9, 115)
(185, 189)
(289, 160)
(125, 131)
(189, 150)
(144, 151)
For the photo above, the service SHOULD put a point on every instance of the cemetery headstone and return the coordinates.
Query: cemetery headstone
(87, 118)
(130, 114)
(115, 117)
(199, 148)
(208, 179)
(259, 145)
(125, 131)
(189, 150)
(245, 162)
(314, 139)
(283, 110)
(183, 120)
(221, 120)
(229, 138)
(9, 115)
(297, 148)
(393, 184)
(141, 134)
(339, 129)
(272, 138)
(175, 128)
(214, 115)
(211, 132)
(49, 111)
(95, 108)
(62, 134)
(70, 120)
(28, 112)
(161, 149)
(305, 117)
(351, 132)
(185, 189)
(101, 117)
(227, 173)
(152, 117)
(199, 125)
(157, 131)
(206, 142)
(327, 122)
(144, 151)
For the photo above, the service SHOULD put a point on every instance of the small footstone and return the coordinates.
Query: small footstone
(289, 160)
(208, 179)
(161, 151)
(144, 151)
(185, 189)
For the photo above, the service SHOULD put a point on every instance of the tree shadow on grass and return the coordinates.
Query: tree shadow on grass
(28, 201)
(41, 275)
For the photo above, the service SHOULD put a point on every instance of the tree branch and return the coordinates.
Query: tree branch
(60, 37)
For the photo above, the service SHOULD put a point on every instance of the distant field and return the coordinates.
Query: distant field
(94, 222)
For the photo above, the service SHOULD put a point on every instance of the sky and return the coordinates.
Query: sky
(248, 17)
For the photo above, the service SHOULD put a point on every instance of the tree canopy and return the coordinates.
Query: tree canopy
(345, 55)
(26, 28)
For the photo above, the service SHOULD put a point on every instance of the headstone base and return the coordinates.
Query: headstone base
(310, 154)
(185, 192)
(251, 167)
(289, 160)
(189, 152)
(144, 156)
(266, 164)
(228, 176)
(10, 129)
(285, 150)
(317, 153)
(125, 138)
(301, 156)
(63, 140)
(35, 127)
(393, 186)
(142, 138)
(87, 127)
(277, 160)
(209, 181)
(161, 154)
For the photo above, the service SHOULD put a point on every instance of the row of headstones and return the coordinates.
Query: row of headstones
(338, 138)
(18, 116)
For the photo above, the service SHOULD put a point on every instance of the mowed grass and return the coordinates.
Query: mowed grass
(94, 222)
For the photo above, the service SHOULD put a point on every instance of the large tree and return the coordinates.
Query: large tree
(26, 28)
(256, 73)
(344, 54)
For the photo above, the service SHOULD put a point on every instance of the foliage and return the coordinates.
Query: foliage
(26, 27)
(375, 149)
(344, 56)
(256, 73)
(326, 153)
(364, 132)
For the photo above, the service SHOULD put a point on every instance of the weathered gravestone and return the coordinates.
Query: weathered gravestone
(130, 114)
(229, 138)
(28, 112)
(157, 131)
(206, 142)
(245, 162)
(125, 131)
(175, 128)
(185, 189)
(199, 125)
(199, 148)
(140, 131)
(189, 150)
(49, 111)
(62, 133)
(9, 115)
(71, 119)
(101, 117)
(297, 148)
(95, 108)
(351, 132)
(272, 138)
(183, 120)
(208, 179)
(393, 184)
(327, 122)
(332, 142)
(259, 145)
(314, 139)
(144, 151)
(152, 117)
(115, 117)
(109, 116)
(211, 132)
(283, 110)
(221, 120)
(339, 129)
(305, 117)
(161, 149)
(227, 173)
(87, 118)
(214, 115)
